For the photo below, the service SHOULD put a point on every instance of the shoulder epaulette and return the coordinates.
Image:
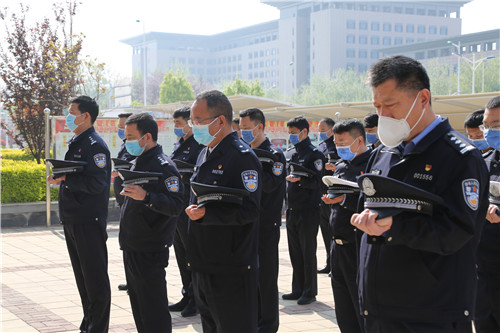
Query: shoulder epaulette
(92, 140)
(162, 160)
(237, 144)
(459, 143)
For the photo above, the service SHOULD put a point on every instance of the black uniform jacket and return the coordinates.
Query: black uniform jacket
(306, 193)
(325, 147)
(117, 182)
(149, 225)
(187, 151)
(423, 268)
(224, 241)
(84, 197)
(489, 246)
(340, 219)
(273, 187)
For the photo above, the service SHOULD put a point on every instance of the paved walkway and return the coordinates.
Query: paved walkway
(39, 292)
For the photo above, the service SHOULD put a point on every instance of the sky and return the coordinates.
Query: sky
(106, 22)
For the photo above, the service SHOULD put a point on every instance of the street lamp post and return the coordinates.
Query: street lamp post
(474, 64)
(458, 69)
(286, 70)
(143, 60)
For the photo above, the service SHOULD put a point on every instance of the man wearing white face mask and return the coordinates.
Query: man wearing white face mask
(417, 271)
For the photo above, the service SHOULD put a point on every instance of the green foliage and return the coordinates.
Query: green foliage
(243, 87)
(175, 88)
(15, 155)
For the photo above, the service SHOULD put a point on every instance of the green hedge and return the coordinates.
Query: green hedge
(16, 155)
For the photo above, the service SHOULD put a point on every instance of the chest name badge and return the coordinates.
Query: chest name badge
(470, 189)
(100, 160)
(250, 180)
(172, 184)
(277, 168)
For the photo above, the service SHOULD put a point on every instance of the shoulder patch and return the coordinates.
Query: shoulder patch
(250, 180)
(470, 189)
(278, 168)
(458, 143)
(162, 160)
(172, 184)
(318, 164)
(100, 160)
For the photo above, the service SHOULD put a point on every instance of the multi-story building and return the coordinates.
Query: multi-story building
(309, 38)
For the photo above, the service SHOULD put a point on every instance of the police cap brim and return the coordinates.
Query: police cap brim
(388, 197)
(265, 156)
(494, 196)
(138, 177)
(184, 167)
(63, 167)
(298, 170)
(337, 186)
(119, 164)
(210, 193)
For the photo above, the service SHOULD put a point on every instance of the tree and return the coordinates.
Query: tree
(175, 88)
(39, 69)
(243, 87)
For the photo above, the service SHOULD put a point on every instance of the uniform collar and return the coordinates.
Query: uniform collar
(266, 144)
(302, 145)
(151, 152)
(361, 158)
(442, 127)
(84, 134)
(221, 147)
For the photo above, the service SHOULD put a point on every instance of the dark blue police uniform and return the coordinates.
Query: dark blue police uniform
(187, 151)
(222, 246)
(326, 147)
(83, 209)
(420, 276)
(117, 182)
(344, 250)
(302, 218)
(487, 316)
(273, 194)
(146, 232)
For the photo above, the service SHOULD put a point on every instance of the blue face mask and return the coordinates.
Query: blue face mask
(134, 148)
(323, 136)
(480, 143)
(294, 139)
(202, 135)
(121, 133)
(247, 135)
(70, 121)
(371, 138)
(345, 152)
(179, 132)
(492, 136)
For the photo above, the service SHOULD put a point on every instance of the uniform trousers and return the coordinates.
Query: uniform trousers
(326, 230)
(385, 326)
(180, 245)
(147, 290)
(227, 302)
(302, 230)
(269, 238)
(344, 265)
(487, 317)
(86, 243)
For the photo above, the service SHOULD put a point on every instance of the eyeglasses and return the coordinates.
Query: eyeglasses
(487, 128)
(192, 123)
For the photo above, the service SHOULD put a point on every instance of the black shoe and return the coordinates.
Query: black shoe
(190, 310)
(324, 270)
(122, 286)
(306, 300)
(179, 306)
(290, 296)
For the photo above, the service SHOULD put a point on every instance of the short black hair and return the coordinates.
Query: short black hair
(351, 125)
(217, 104)
(408, 73)
(184, 112)
(493, 103)
(125, 115)
(329, 121)
(298, 122)
(371, 120)
(474, 119)
(87, 104)
(236, 121)
(145, 124)
(256, 115)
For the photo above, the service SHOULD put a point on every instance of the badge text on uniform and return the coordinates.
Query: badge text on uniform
(470, 189)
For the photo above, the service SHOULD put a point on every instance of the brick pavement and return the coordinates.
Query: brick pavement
(39, 292)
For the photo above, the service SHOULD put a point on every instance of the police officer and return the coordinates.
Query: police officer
(350, 141)
(487, 317)
(186, 150)
(370, 121)
(147, 225)
(222, 237)
(474, 133)
(83, 210)
(409, 263)
(327, 147)
(123, 155)
(302, 215)
(252, 124)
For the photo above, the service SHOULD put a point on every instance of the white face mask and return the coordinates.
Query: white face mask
(392, 132)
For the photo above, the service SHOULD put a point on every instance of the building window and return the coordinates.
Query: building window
(261, 64)
(410, 28)
(350, 39)
(250, 76)
(273, 52)
(398, 41)
(432, 54)
(268, 52)
(268, 63)
(432, 12)
(375, 26)
(350, 66)
(261, 53)
(362, 68)
(363, 54)
(398, 27)
(273, 73)
(443, 31)
(421, 29)
(363, 40)
(410, 41)
(374, 54)
(409, 11)
(419, 55)
(351, 24)
(420, 11)
(387, 41)
(398, 10)
(432, 30)
(249, 55)
(250, 66)
(375, 40)
(255, 54)
(387, 27)
(350, 53)
(363, 25)
(273, 62)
